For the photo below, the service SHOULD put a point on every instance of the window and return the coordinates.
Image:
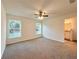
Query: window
(14, 29)
(38, 27)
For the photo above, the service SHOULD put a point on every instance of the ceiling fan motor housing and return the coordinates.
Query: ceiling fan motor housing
(40, 13)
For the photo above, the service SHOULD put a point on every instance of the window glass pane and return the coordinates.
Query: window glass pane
(38, 28)
(14, 29)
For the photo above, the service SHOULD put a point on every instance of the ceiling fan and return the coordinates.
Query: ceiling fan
(41, 14)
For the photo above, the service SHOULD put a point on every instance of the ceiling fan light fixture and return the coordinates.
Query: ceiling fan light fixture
(40, 18)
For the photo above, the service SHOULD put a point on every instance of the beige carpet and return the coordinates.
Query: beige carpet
(41, 49)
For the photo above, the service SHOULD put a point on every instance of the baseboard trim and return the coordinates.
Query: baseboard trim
(52, 39)
(22, 41)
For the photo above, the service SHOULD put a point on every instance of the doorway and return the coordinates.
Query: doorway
(68, 30)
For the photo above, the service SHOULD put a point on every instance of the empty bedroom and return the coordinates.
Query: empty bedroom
(39, 29)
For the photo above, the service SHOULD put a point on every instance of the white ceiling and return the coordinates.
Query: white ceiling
(27, 8)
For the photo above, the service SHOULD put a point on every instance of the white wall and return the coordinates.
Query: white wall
(54, 29)
(3, 29)
(28, 29)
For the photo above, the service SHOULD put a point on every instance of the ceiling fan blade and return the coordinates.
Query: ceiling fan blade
(45, 15)
(36, 14)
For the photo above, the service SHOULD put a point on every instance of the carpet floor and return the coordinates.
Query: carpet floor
(41, 48)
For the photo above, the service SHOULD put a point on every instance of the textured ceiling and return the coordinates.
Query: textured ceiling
(27, 8)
